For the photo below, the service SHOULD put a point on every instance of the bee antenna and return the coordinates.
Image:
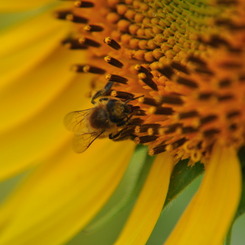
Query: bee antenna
(135, 98)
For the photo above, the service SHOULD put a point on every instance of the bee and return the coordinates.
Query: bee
(106, 119)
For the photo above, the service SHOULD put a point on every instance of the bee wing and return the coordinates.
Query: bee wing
(81, 142)
(76, 121)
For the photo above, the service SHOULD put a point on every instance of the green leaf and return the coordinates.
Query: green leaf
(181, 177)
(241, 208)
(228, 236)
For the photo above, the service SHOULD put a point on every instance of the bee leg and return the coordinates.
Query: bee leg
(96, 95)
(125, 122)
(114, 136)
(123, 134)
(135, 98)
(103, 99)
(108, 86)
(118, 136)
(121, 123)
(102, 92)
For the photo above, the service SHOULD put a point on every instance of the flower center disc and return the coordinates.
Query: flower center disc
(185, 57)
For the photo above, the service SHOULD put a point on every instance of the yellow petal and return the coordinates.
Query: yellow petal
(149, 204)
(37, 89)
(63, 194)
(16, 5)
(209, 215)
(39, 132)
(26, 45)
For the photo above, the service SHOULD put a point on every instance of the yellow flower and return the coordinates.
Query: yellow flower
(183, 60)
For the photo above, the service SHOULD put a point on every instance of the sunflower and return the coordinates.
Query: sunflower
(177, 70)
